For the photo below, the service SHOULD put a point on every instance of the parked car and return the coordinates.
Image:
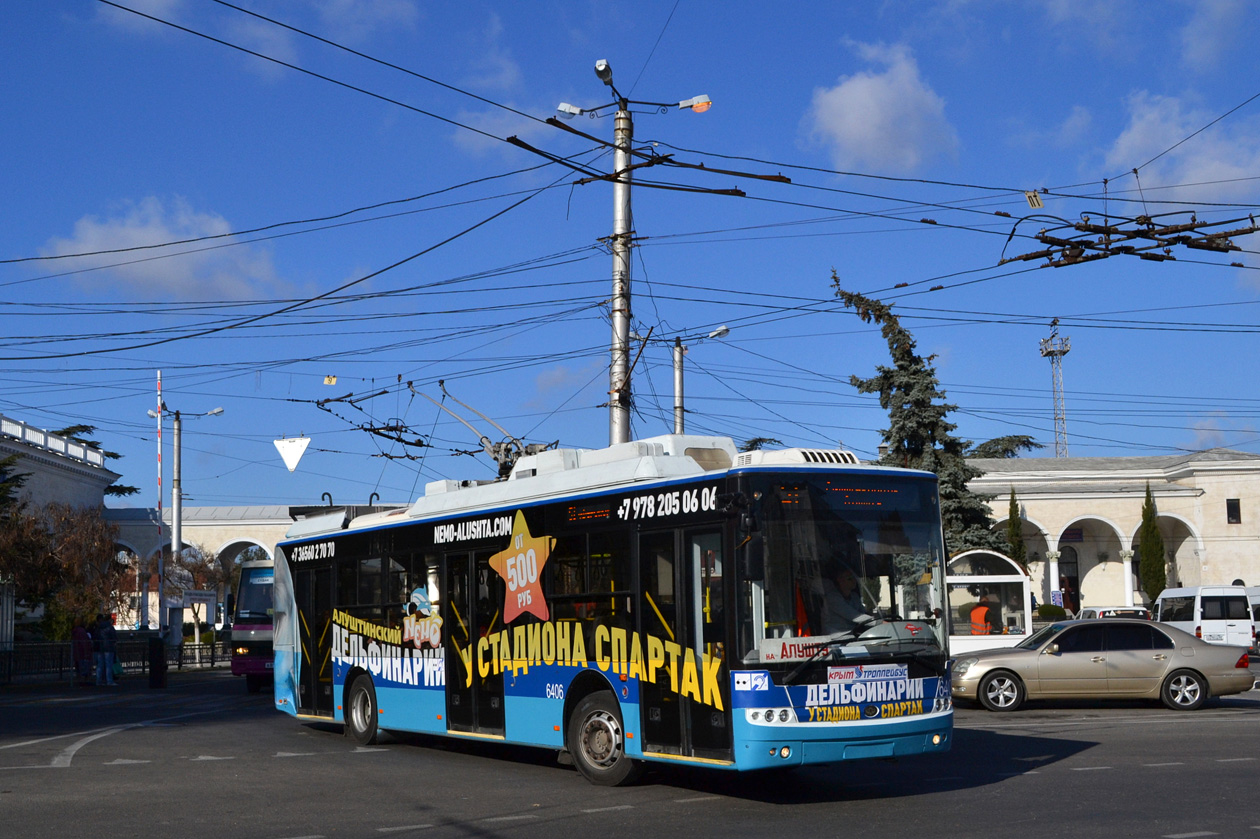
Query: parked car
(1115, 658)
(1091, 612)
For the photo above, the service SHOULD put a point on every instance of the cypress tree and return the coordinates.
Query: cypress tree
(1151, 568)
(1015, 547)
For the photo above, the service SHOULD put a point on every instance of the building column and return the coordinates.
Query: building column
(1056, 593)
(1126, 558)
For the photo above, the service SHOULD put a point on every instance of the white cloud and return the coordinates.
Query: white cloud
(556, 384)
(889, 121)
(355, 21)
(498, 123)
(496, 69)
(1208, 434)
(1215, 26)
(1211, 164)
(210, 273)
(171, 10)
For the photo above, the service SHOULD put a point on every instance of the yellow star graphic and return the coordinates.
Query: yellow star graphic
(521, 567)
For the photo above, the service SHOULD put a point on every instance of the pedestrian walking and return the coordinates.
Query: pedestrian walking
(107, 649)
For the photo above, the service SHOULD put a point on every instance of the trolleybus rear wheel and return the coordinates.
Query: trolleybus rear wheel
(361, 711)
(597, 741)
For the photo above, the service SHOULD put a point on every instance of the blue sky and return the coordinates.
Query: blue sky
(361, 216)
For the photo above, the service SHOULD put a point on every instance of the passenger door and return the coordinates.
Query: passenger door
(312, 589)
(474, 592)
(1137, 658)
(682, 603)
(1079, 666)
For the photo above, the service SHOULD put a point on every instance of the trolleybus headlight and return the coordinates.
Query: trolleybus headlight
(783, 715)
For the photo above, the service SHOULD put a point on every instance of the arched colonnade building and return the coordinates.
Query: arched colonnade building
(1081, 516)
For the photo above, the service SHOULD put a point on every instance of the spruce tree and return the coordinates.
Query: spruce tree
(919, 436)
(1151, 550)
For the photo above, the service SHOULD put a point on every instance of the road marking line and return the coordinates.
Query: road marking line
(1174, 763)
(1233, 759)
(697, 798)
(1088, 768)
(509, 818)
(610, 809)
(210, 757)
(293, 754)
(124, 762)
(401, 828)
(1190, 835)
(63, 758)
(364, 749)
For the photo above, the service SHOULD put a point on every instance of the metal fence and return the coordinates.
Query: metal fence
(55, 661)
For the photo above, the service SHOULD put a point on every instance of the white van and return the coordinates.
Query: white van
(1217, 614)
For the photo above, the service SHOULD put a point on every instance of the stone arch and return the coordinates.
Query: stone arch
(229, 554)
(1037, 542)
(1101, 575)
(1183, 550)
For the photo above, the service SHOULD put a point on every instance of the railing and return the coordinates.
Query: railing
(40, 438)
(28, 662)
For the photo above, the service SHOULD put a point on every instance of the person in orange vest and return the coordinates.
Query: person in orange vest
(980, 616)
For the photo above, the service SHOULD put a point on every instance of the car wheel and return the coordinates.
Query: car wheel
(361, 711)
(597, 741)
(1001, 691)
(1184, 690)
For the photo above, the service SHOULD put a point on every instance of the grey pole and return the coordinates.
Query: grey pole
(679, 349)
(176, 512)
(619, 369)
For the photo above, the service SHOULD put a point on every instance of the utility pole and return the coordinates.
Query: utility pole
(619, 397)
(619, 369)
(176, 507)
(1055, 348)
(679, 350)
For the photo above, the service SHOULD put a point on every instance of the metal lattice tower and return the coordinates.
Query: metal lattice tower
(1055, 348)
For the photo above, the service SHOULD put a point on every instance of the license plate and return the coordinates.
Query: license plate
(269, 664)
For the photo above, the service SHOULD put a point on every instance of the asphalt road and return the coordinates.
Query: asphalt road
(204, 758)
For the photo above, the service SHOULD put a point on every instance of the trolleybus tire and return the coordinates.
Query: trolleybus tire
(253, 682)
(361, 711)
(596, 740)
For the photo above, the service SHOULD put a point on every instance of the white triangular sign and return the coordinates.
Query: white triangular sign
(291, 450)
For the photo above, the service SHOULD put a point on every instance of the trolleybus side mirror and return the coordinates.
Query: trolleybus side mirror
(754, 557)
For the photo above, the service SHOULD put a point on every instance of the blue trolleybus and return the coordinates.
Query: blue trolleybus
(668, 599)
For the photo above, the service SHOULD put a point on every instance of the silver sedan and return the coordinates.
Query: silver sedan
(1115, 658)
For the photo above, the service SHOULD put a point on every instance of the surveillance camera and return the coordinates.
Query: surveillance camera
(603, 71)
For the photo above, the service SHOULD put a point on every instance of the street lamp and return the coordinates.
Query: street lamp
(678, 352)
(176, 506)
(623, 136)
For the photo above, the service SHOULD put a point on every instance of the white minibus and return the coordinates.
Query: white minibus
(1217, 614)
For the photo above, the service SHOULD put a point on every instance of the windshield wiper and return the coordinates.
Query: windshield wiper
(826, 645)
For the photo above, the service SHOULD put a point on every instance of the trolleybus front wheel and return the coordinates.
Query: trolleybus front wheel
(361, 711)
(597, 741)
